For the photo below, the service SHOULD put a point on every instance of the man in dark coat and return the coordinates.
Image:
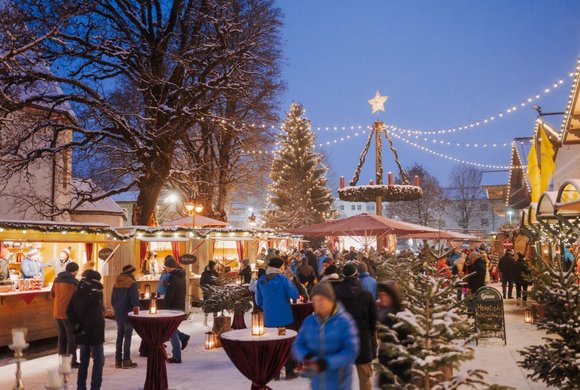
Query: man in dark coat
(175, 300)
(209, 276)
(312, 260)
(477, 270)
(86, 313)
(125, 298)
(360, 304)
(522, 275)
(306, 274)
(246, 271)
(506, 272)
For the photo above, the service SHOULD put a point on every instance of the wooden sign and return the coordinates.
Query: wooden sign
(489, 314)
(188, 259)
(105, 253)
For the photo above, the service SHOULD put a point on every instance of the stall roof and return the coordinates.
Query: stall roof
(57, 231)
(200, 221)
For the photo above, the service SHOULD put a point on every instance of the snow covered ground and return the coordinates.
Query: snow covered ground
(202, 369)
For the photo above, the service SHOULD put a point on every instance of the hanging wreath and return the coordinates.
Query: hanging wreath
(389, 193)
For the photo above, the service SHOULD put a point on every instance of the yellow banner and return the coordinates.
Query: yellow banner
(547, 164)
(533, 174)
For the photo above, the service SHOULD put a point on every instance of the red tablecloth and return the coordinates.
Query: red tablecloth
(155, 330)
(300, 312)
(259, 358)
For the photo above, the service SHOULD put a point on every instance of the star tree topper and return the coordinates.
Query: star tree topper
(378, 102)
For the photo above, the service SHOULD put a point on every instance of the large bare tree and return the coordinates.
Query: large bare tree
(465, 191)
(424, 211)
(144, 79)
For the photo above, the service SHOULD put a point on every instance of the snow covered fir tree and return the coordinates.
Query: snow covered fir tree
(428, 340)
(298, 193)
(556, 362)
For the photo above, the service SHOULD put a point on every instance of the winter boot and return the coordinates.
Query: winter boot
(129, 364)
(118, 363)
(518, 301)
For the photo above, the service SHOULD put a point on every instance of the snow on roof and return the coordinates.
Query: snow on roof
(102, 206)
(128, 196)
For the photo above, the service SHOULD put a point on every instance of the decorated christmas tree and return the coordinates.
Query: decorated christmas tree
(430, 336)
(556, 362)
(298, 194)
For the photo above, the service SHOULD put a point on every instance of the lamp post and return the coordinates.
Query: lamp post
(193, 208)
(252, 220)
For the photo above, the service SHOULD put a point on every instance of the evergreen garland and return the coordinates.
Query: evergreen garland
(298, 194)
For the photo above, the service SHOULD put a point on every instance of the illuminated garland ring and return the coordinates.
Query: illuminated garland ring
(389, 193)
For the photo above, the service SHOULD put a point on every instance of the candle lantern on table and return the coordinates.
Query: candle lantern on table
(153, 305)
(257, 323)
(528, 319)
(210, 340)
(18, 346)
(147, 291)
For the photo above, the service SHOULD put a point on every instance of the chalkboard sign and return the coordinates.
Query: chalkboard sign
(188, 259)
(489, 315)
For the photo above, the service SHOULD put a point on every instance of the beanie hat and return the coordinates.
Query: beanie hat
(325, 289)
(170, 262)
(349, 270)
(67, 251)
(32, 252)
(246, 261)
(211, 264)
(128, 269)
(71, 267)
(509, 251)
(276, 262)
(92, 275)
(331, 269)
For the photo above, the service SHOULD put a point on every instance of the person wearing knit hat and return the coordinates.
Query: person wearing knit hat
(273, 293)
(506, 267)
(175, 300)
(32, 265)
(62, 290)
(360, 304)
(331, 369)
(63, 259)
(86, 313)
(124, 299)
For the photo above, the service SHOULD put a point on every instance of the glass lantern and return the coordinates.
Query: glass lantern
(153, 306)
(147, 291)
(210, 340)
(257, 323)
(528, 318)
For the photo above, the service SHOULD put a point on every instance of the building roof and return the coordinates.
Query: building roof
(128, 196)
(103, 206)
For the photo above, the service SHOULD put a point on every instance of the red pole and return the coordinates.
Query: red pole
(390, 178)
(342, 182)
(417, 181)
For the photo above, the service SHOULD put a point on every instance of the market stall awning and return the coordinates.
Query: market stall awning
(442, 235)
(361, 225)
(200, 221)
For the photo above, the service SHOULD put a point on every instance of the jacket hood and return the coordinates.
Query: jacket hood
(361, 274)
(65, 275)
(124, 281)
(89, 287)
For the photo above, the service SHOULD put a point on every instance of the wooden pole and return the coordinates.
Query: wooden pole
(379, 199)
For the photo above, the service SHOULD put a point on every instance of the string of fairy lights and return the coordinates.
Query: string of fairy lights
(412, 137)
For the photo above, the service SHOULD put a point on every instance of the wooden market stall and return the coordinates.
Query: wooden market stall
(30, 304)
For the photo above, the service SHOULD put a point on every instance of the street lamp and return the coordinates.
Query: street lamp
(510, 213)
(193, 208)
(252, 220)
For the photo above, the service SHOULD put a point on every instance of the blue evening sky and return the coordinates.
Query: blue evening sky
(442, 64)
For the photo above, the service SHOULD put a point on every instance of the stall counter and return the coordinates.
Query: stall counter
(27, 309)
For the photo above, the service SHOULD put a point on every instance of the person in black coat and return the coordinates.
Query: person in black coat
(360, 304)
(389, 303)
(522, 275)
(246, 271)
(312, 261)
(209, 276)
(476, 279)
(506, 272)
(86, 314)
(175, 300)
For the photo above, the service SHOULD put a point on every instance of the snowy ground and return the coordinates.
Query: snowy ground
(202, 369)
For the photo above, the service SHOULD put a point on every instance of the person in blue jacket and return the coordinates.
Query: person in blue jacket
(327, 342)
(273, 294)
(368, 282)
